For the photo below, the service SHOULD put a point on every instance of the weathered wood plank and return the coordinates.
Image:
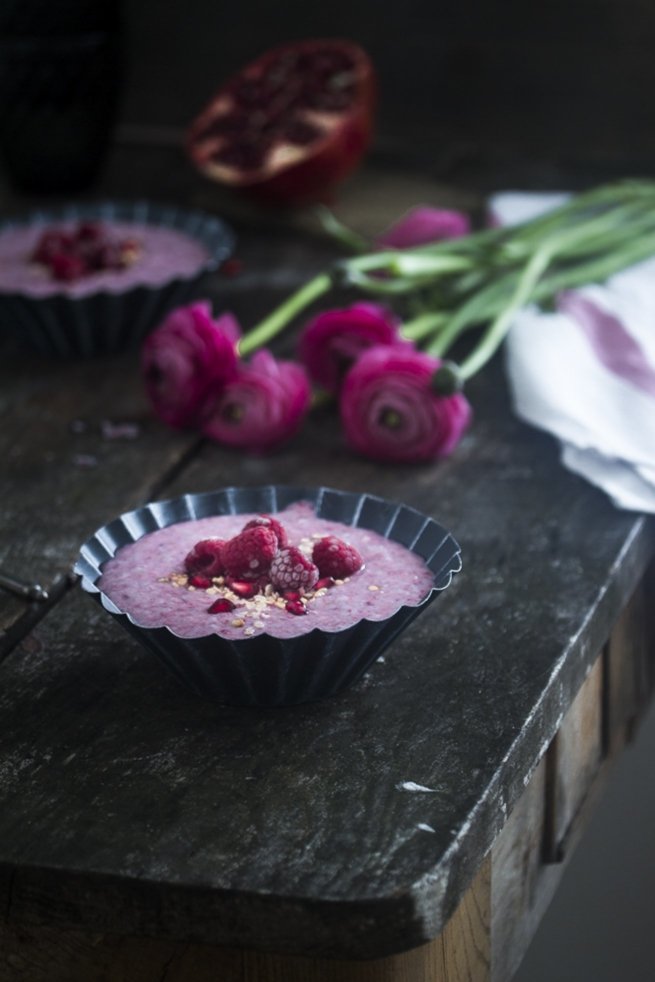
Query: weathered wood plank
(30, 953)
(48, 954)
(79, 444)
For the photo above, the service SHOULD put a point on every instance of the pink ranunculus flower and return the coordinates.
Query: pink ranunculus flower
(334, 340)
(422, 225)
(390, 411)
(262, 408)
(185, 357)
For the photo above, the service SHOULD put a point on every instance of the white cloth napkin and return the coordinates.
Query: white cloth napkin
(586, 373)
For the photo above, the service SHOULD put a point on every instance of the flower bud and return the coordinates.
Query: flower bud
(447, 380)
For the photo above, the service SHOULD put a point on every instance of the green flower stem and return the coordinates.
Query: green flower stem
(407, 262)
(382, 287)
(423, 326)
(599, 269)
(483, 304)
(622, 248)
(346, 236)
(499, 327)
(600, 232)
(486, 277)
(581, 207)
(267, 329)
(517, 241)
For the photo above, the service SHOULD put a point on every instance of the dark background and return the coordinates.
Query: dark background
(470, 89)
(476, 93)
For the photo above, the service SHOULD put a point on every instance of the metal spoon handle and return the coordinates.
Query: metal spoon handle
(28, 591)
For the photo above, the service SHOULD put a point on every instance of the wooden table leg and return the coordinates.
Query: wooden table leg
(531, 852)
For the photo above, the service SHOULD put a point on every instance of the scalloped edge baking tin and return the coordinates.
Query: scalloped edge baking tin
(263, 670)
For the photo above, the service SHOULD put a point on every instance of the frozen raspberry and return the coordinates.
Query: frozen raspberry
(51, 243)
(292, 570)
(336, 558)
(267, 521)
(89, 232)
(67, 267)
(206, 558)
(248, 555)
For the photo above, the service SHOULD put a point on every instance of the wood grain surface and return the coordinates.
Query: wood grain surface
(129, 807)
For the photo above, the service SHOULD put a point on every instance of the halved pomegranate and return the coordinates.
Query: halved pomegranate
(290, 125)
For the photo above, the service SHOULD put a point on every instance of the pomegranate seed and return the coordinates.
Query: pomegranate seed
(221, 606)
(200, 581)
(243, 589)
(325, 583)
(295, 607)
(291, 595)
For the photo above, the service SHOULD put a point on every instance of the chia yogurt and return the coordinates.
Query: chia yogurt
(147, 580)
(164, 254)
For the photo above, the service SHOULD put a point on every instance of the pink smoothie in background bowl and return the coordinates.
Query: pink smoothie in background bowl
(109, 306)
(146, 580)
(164, 253)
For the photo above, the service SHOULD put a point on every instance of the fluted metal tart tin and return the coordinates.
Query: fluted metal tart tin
(264, 670)
(65, 325)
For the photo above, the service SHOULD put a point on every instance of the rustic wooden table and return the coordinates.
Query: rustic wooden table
(145, 833)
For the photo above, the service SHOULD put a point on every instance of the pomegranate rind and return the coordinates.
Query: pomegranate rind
(291, 173)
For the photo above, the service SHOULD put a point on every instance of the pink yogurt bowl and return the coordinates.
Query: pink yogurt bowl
(107, 311)
(266, 670)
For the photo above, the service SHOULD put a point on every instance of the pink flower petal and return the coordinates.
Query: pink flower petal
(390, 412)
(334, 340)
(185, 357)
(262, 408)
(422, 225)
